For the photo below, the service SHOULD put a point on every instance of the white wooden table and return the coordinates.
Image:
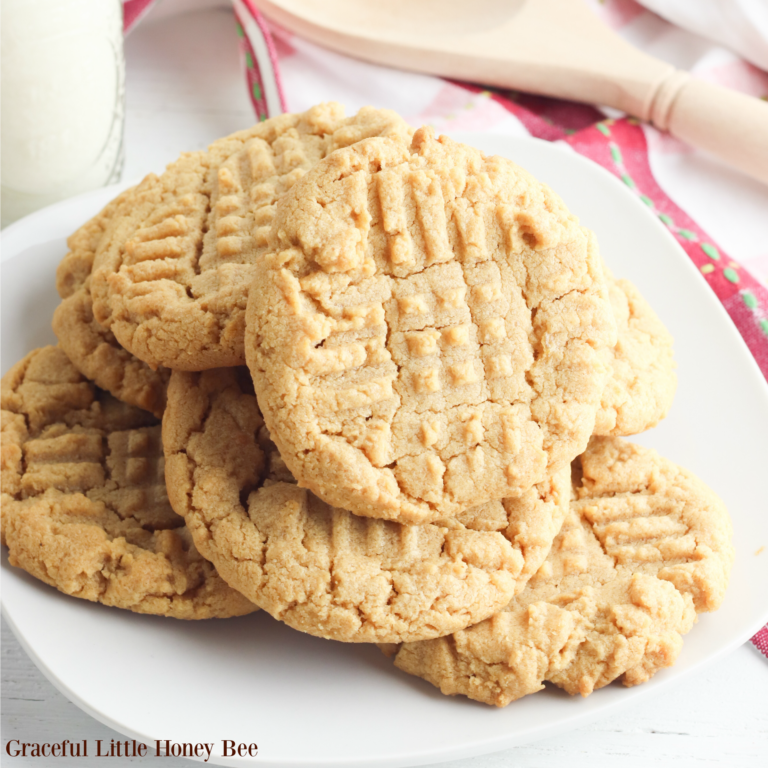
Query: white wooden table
(184, 89)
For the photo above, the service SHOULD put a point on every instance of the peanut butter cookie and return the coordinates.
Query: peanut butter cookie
(84, 505)
(172, 273)
(426, 332)
(91, 347)
(646, 546)
(642, 383)
(323, 570)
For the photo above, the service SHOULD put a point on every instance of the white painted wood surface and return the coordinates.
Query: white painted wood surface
(184, 89)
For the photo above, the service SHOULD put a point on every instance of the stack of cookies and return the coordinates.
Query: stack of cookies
(392, 375)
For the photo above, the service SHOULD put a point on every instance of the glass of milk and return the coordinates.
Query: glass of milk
(62, 100)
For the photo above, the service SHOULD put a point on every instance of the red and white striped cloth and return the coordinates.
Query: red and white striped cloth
(716, 214)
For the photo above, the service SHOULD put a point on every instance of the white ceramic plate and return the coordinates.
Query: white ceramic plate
(310, 702)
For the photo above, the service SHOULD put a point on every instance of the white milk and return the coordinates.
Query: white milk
(62, 100)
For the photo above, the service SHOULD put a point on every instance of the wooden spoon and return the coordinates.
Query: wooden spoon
(553, 47)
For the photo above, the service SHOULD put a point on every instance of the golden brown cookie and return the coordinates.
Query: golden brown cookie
(75, 268)
(91, 347)
(84, 505)
(642, 383)
(425, 334)
(172, 274)
(323, 570)
(646, 546)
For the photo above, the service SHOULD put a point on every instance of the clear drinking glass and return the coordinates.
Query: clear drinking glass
(62, 95)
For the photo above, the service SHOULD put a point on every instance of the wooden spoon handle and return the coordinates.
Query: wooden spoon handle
(726, 123)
